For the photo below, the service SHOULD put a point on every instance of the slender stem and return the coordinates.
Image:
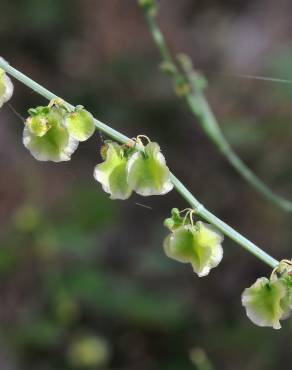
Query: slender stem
(200, 107)
(181, 189)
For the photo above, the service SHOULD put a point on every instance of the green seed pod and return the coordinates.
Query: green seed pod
(174, 221)
(6, 87)
(46, 137)
(148, 173)
(112, 172)
(199, 245)
(80, 124)
(267, 302)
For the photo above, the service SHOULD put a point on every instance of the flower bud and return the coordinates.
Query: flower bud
(6, 87)
(148, 173)
(174, 221)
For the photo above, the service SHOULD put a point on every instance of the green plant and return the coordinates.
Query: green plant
(135, 167)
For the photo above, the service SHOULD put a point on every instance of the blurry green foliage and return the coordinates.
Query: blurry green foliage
(114, 296)
(77, 266)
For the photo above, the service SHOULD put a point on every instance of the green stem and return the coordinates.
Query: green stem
(200, 107)
(185, 193)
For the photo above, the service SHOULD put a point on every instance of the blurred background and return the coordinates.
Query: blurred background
(84, 282)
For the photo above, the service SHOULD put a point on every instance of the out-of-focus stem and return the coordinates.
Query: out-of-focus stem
(200, 107)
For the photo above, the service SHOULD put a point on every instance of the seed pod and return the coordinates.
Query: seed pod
(148, 173)
(199, 245)
(6, 87)
(266, 302)
(80, 124)
(46, 137)
(112, 172)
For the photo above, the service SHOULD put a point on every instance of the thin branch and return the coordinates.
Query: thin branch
(179, 186)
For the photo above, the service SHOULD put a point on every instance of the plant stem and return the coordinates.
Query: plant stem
(181, 189)
(200, 107)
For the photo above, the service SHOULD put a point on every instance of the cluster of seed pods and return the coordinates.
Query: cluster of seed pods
(53, 132)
